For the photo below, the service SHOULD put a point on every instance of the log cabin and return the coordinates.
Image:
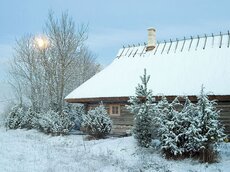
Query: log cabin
(177, 67)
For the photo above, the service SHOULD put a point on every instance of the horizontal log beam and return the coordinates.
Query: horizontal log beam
(220, 98)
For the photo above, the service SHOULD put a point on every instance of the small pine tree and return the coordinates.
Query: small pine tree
(142, 107)
(191, 131)
(161, 110)
(210, 125)
(210, 130)
(97, 123)
(190, 113)
(173, 124)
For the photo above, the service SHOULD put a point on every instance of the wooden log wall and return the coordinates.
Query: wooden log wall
(124, 122)
(224, 108)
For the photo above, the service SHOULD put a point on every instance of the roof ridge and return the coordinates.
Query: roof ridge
(178, 45)
(183, 39)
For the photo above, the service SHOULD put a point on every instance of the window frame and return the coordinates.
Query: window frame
(111, 110)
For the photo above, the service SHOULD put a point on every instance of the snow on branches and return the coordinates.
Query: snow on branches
(184, 129)
(141, 106)
(190, 129)
(97, 123)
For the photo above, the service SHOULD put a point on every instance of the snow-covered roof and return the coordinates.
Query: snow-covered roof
(176, 67)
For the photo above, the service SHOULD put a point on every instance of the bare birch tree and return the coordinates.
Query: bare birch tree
(27, 73)
(45, 75)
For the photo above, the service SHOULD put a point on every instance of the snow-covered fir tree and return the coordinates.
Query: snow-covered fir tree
(161, 109)
(142, 107)
(193, 130)
(172, 130)
(193, 138)
(97, 122)
(210, 126)
(209, 130)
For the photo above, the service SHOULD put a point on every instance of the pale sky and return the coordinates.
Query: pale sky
(112, 24)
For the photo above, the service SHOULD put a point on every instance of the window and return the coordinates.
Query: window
(115, 110)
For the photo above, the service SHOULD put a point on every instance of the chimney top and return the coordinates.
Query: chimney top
(151, 39)
(151, 28)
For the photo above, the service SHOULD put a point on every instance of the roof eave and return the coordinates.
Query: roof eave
(221, 98)
(97, 99)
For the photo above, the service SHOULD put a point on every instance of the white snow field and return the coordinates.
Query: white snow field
(32, 151)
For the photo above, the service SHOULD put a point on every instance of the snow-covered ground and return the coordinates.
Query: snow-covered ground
(27, 151)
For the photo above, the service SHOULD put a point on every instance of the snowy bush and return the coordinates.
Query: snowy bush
(21, 117)
(27, 120)
(15, 117)
(142, 107)
(54, 123)
(50, 122)
(75, 112)
(4, 114)
(191, 131)
(97, 122)
(35, 120)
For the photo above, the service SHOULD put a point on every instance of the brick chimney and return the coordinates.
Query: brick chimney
(151, 39)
